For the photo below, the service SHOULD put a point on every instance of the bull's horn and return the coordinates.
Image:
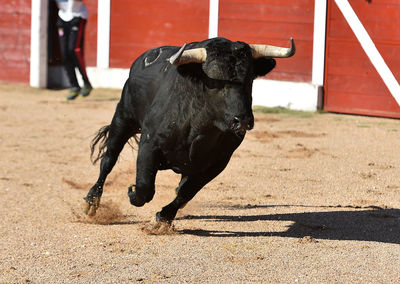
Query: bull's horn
(261, 50)
(196, 55)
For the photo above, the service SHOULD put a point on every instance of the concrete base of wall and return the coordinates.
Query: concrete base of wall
(293, 95)
(270, 93)
(107, 77)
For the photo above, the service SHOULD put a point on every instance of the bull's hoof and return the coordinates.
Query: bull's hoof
(159, 227)
(158, 219)
(90, 206)
(134, 199)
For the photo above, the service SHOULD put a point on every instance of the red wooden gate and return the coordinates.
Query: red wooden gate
(273, 22)
(352, 84)
(138, 25)
(15, 37)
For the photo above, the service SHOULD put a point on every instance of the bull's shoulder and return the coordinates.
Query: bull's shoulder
(153, 57)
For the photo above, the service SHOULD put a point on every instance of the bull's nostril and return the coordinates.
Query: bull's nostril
(236, 119)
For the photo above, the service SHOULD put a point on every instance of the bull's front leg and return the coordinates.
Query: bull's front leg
(146, 170)
(188, 187)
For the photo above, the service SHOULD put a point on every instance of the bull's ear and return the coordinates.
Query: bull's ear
(263, 66)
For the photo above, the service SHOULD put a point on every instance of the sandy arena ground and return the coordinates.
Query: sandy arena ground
(307, 198)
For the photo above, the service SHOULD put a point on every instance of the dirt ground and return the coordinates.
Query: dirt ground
(307, 198)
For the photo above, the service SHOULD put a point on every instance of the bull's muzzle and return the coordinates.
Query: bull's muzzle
(241, 124)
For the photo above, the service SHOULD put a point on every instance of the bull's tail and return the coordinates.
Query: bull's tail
(101, 137)
(123, 127)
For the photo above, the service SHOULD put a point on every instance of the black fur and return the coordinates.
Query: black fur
(191, 119)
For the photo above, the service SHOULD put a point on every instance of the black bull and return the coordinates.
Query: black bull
(192, 107)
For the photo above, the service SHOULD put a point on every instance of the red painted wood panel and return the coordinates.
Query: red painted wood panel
(91, 33)
(138, 25)
(273, 22)
(15, 34)
(352, 84)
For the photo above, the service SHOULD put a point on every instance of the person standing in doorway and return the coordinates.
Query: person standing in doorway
(71, 22)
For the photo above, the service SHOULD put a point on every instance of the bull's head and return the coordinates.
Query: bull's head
(229, 69)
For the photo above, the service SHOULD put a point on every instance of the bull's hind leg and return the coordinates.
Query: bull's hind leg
(188, 187)
(116, 135)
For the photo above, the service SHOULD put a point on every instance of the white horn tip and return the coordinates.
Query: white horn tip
(175, 58)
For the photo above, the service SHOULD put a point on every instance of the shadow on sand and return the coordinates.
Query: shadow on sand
(366, 224)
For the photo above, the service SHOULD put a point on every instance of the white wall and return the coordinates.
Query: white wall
(293, 95)
(38, 65)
